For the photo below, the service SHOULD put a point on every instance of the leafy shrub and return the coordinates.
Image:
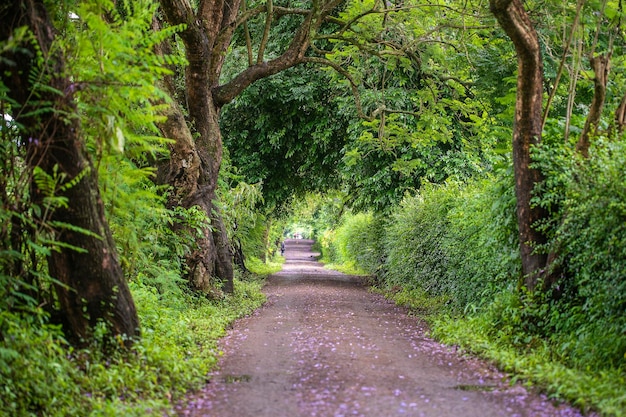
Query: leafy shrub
(456, 239)
(41, 375)
(328, 247)
(35, 374)
(481, 240)
(414, 242)
(591, 244)
(262, 269)
(355, 247)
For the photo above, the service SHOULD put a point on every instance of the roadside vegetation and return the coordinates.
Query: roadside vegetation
(450, 253)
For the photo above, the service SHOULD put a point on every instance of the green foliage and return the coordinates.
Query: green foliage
(42, 375)
(152, 240)
(481, 242)
(598, 391)
(423, 123)
(246, 224)
(245, 214)
(590, 241)
(436, 231)
(34, 371)
(112, 58)
(286, 132)
(354, 242)
(22, 238)
(117, 73)
(416, 299)
(414, 243)
(263, 269)
(455, 240)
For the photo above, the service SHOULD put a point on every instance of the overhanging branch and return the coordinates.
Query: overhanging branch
(346, 74)
(292, 56)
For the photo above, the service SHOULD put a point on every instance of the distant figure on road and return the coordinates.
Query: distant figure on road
(282, 248)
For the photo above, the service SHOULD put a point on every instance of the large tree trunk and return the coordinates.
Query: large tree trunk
(207, 36)
(192, 170)
(526, 132)
(92, 287)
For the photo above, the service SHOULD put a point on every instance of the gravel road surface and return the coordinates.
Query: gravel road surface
(323, 345)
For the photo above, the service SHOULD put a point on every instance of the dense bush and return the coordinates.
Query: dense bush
(456, 241)
(356, 244)
(591, 244)
(481, 241)
(354, 239)
(414, 243)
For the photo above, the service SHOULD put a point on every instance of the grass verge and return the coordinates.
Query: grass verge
(41, 375)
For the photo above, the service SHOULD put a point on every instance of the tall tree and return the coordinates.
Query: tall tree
(90, 285)
(208, 33)
(526, 132)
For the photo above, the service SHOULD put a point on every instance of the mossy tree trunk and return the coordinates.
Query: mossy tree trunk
(194, 171)
(91, 286)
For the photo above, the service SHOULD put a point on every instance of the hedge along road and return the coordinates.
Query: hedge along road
(323, 346)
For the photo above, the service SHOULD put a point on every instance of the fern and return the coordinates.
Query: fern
(68, 226)
(51, 186)
(45, 182)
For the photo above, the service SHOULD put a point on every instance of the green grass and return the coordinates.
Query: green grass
(348, 268)
(417, 300)
(602, 391)
(40, 374)
(262, 269)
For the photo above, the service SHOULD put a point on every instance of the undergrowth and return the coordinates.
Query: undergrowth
(263, 269)
(599, 391)
(42, 375)
(348, 268)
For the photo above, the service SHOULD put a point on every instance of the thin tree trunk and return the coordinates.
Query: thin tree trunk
(92, 287)
(571, 96)
(601, 66)
(526, 132)
(620, 115)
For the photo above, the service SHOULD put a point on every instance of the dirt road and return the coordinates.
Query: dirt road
(325, 346)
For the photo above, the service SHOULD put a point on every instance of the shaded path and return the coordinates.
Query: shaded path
(324, 346)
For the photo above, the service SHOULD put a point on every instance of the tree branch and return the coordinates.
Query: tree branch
(292, 56)
(178, 11)
(381, 110)
(562, 63)
(246, 30)
(346, 74)
(266, 32)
